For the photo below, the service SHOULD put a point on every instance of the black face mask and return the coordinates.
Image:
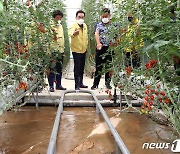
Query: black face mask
(130, 19)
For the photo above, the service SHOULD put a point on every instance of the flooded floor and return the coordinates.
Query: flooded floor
(26, 130)
(82, 131)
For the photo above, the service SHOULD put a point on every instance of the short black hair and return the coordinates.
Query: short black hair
(56, 13)
(80, 11)
(105, 10)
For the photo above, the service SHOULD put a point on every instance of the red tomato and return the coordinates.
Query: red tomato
(167, 100)
(152, 90)
(150, 103)
(147, 91)
(162, 93)
(152, 97)
(4, 74)
(160, 100)
(146, 98)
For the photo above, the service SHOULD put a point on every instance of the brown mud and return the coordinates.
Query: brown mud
(81, 131)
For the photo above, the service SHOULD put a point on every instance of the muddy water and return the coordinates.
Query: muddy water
(81, 131)
(26, 131)
(82, 127)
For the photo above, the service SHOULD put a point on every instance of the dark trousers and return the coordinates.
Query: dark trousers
(79, 63)
(55, 71)
(103, 59)
(132, 59)
(177, 68)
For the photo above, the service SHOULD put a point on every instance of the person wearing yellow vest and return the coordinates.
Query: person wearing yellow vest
(56, 51)
(134, 43)
(79, 43)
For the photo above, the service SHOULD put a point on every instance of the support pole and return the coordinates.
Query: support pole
(115, 96)
(37, 90)
(120, 100)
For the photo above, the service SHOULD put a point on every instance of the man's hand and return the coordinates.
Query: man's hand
(97, 37)
(99, 46)
(76, 32)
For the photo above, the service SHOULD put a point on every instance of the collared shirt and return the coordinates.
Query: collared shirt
(105, 32)
(79, 43)
(58, 37)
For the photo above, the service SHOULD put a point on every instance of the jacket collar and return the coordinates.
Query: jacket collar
(78, 25)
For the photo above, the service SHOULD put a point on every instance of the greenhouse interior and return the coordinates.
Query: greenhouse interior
(89, 76)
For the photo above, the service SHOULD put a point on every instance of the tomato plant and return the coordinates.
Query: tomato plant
(154, 36)
(25, 38)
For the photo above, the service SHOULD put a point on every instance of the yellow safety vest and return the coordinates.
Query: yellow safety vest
(133, 42)
(57, 37)
(79, 43)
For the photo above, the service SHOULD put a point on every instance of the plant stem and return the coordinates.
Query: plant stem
(2, 60)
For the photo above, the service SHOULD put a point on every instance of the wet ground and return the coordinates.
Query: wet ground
(82, 131)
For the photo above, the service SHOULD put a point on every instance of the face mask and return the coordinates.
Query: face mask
(105, 20)
(59, 21)
(80, 21)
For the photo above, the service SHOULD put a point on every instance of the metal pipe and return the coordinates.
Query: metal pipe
(118, 139)
(52, 143)
(76, 104)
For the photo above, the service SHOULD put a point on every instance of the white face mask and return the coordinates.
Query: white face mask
(59, 21)
(80, 21)
(105, 20)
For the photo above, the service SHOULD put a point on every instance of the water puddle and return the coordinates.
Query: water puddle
(81, 131)
(27, 130)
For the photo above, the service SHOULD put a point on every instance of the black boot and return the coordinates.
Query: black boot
(94, 87)
(81, 83)
(58, 85)
(60, 88)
